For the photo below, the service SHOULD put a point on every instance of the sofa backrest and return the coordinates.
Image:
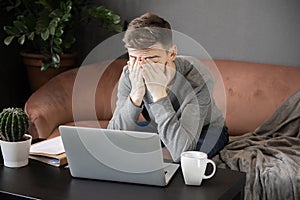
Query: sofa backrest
(253, 92)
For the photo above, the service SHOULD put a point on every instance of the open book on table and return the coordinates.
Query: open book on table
(49, 151)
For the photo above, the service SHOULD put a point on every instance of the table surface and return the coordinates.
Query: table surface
(42, 181)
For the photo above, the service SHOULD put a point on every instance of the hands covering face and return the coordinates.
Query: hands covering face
(154, 76)
(155, 79)
(138, 88)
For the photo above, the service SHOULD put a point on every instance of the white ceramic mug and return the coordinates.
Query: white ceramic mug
(193, 166)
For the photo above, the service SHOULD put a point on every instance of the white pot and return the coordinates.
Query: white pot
(15, 154)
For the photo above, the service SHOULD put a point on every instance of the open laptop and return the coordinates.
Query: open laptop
(114, 155)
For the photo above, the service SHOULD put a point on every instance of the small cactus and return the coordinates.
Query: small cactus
(13, 124)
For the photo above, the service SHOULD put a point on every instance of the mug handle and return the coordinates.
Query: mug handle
(214, 169)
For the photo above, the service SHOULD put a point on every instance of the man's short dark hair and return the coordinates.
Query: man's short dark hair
(147, 30)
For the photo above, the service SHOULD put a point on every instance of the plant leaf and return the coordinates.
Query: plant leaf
(8, 39)
(56, 65)
(10, 30)
(57, 41)
(45, 66)
(57, 49)
(116, 19)
(45, 34)
(31, 36)
(52, 30)
(9, 8)
(56, 13)
(68, 7)
(66, 17)
(59, 31)
(21, 39)
(55, 59)
(53, 25)
(20, 26)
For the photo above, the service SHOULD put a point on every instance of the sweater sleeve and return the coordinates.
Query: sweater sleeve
(181, 133)
(126, 114)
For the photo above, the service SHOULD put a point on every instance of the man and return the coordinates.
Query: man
(170, 92)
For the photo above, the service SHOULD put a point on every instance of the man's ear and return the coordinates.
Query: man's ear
(173, 52)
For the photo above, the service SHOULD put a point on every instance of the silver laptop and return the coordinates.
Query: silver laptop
(114, 155)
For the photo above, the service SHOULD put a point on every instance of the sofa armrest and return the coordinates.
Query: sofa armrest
(53, 104)
(50, 105)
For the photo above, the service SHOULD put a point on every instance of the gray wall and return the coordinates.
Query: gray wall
(265, 31)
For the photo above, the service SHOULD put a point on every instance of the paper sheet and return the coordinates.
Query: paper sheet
(52, 146)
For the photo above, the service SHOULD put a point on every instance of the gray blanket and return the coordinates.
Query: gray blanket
(270, 155)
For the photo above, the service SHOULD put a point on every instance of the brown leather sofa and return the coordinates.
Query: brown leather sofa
(253, 92)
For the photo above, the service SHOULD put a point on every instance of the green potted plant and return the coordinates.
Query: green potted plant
(47, 29)
(15, 142)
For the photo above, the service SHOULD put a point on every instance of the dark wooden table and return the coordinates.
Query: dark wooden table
(41, 181)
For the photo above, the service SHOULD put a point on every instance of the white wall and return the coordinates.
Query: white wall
(266, 31)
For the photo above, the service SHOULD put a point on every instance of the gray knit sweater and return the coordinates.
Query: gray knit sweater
(177, 118)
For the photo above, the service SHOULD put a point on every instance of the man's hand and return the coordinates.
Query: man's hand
(155, 79)
(138, 89)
